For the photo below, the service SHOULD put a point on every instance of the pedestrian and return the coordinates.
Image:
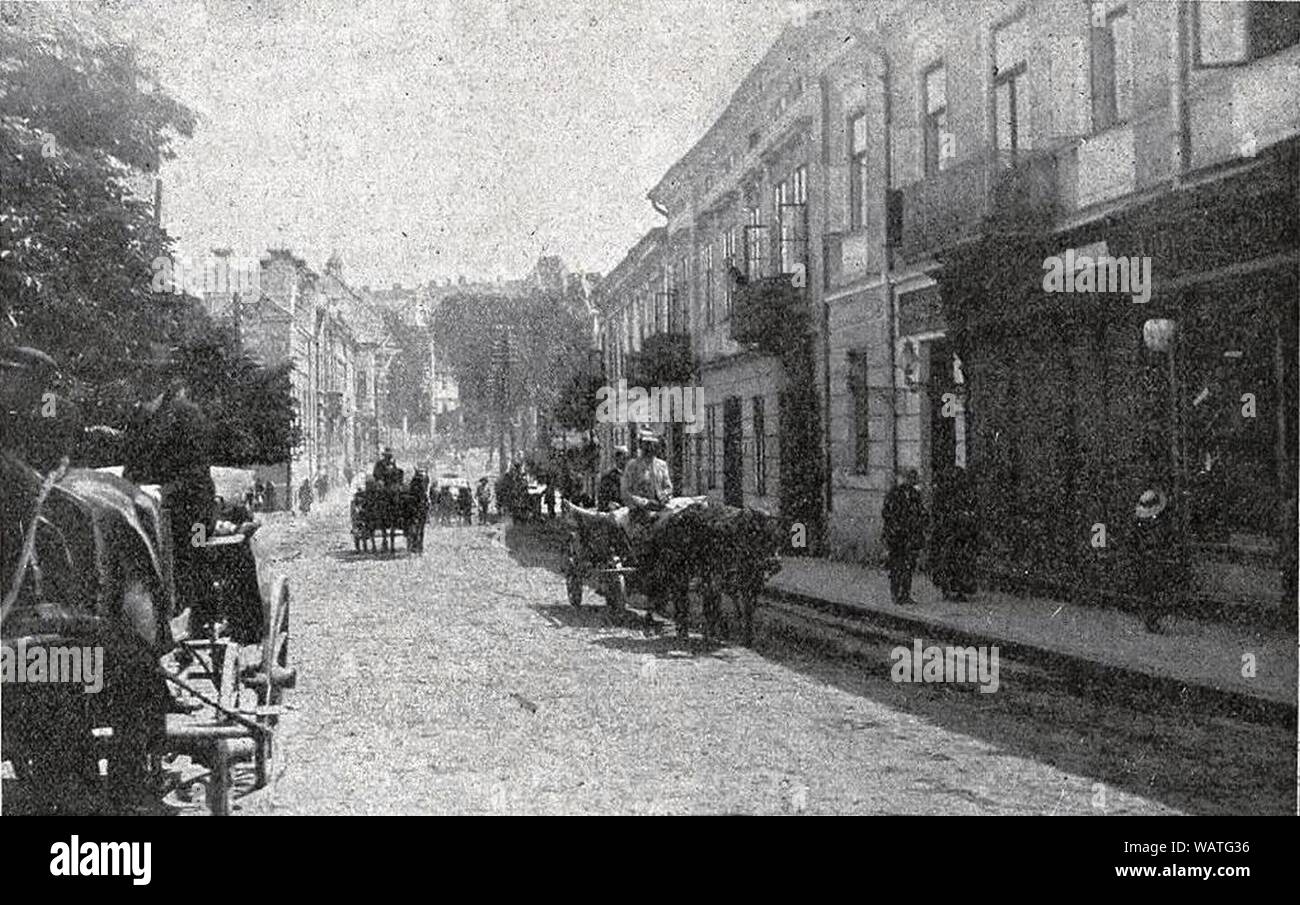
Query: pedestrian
(322, 486)
(954, 536)
(1157, 565)
(269, 496)
(304, 496)
(609, 493)
(904, 518)
(483, 493)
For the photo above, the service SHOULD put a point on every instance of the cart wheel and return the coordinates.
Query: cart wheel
(574, 581)
(220, 780)
(275, 664)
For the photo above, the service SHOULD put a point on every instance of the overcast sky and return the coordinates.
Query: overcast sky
(427, 140)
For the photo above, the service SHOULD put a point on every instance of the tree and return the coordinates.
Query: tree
(79, 119)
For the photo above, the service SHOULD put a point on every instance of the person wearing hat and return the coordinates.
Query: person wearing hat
(1156, 567)
(386, 470)
(646, 485)
(904, 531)
(609, 493)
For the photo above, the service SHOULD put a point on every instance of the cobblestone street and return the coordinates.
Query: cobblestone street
(463, 682)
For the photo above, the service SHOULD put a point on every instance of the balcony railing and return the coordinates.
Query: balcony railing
(1000, 193)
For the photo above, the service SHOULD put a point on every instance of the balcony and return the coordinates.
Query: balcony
(768, 312)
(1001, 193)
(665, 359)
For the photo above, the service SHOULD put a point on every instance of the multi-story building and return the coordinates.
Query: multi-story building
(625, 305)
(904, 187)
(338, 349)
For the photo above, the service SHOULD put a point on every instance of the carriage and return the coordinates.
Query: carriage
(107, 580)
(387, 510)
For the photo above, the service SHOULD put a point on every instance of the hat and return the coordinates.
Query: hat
(1151, 504)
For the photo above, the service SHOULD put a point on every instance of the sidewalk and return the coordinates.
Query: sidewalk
(1191, 658)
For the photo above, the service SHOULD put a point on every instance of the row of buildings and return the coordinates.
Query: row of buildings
(342, 349)
(339, 339)
(856, 265)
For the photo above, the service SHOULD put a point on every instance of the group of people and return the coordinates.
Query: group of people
(1156, 568)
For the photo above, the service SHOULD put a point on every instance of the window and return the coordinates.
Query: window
(934, 124)
(728, 261)
(1011, 50)
(858, 171)
(755, 244)
(857, 380)
(707, 267)
(1112, 67)
(791, 212)
(760, 448)
(711, 439)
(1232, 33)
(681, 295)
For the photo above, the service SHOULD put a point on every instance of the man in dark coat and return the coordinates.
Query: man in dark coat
(386, 470)
(954, 536)
(904, 522)
(609, 493)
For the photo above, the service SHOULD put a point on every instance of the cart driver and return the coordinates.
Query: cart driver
(647, 486)
(386, 470)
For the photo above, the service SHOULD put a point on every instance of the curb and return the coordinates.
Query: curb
(1093, 678)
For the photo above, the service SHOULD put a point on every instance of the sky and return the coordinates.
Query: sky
(427, 140)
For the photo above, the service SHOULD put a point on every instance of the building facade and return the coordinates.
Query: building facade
(867, 255)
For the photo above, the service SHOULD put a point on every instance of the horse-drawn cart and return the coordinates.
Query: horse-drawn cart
(694, 544)
(180, 700)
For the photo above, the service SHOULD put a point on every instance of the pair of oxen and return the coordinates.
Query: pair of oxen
(693, 545)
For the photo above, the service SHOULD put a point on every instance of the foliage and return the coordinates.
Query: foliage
(80, 119)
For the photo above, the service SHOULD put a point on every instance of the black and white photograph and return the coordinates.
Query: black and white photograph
(662, 407)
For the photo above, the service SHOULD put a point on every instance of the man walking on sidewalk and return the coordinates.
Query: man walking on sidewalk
(904, 518)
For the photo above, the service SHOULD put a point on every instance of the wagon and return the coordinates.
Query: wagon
(383, 510)
(240, 688)
(231, 676)
(598, 556)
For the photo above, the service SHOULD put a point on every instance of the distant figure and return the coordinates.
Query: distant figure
(322, 486)
(465, 505)
(268, 496)
(483, 493)
(304, 496)
(419, 510)
(904, 523)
